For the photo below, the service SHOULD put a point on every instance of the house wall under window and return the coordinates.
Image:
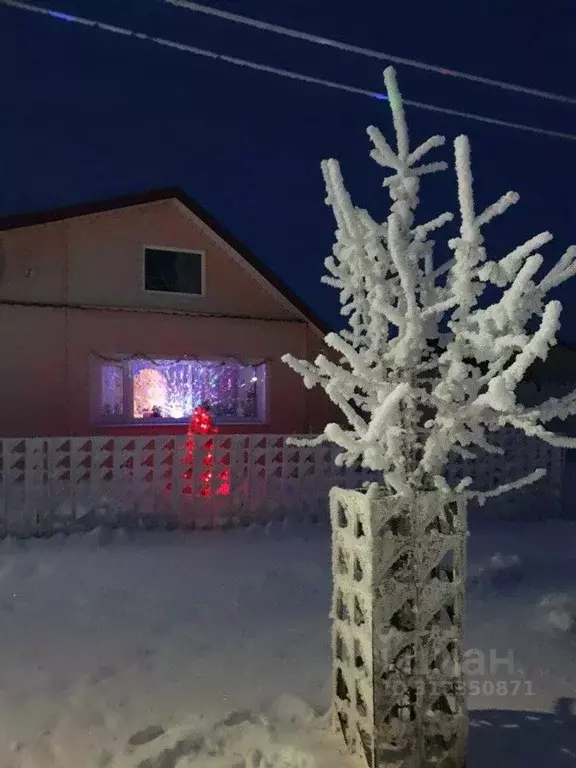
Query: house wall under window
(51, 381)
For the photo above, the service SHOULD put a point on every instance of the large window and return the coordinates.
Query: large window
(173, 271)
(166, 391)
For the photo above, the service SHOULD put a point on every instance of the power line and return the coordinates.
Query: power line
(19, 4)
(266, 26)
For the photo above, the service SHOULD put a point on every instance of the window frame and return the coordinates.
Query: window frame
(127, 418)
(196, 252)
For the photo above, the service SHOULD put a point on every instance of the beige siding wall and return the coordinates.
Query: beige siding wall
(106, 255)
(158, 335)
(33, 391)
(97, 261)
(33, 264)
(45, 387)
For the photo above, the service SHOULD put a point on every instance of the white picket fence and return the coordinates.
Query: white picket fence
(47, 484)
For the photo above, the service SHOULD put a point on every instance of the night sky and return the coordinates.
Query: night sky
(87, 114)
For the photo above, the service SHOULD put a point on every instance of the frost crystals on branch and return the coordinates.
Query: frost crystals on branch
(426, 368)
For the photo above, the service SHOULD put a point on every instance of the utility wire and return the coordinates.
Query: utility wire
(266, 26)
(24, 6)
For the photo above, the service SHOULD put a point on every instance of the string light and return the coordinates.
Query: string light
(142, 356)
(201, 424)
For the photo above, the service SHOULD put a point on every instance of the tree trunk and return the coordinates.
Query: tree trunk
(399, 582)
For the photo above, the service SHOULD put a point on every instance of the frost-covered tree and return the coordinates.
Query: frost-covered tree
(427, 367)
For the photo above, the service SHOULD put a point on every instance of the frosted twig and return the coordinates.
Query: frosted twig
(308, 442)
(483, 496)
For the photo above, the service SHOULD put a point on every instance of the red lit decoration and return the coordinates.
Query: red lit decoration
(202, 424)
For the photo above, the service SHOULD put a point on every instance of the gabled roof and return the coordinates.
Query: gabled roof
(35, 218)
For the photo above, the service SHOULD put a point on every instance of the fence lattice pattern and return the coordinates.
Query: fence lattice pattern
(231, 479)
(521, 456)
(46, 483)
(399, 574)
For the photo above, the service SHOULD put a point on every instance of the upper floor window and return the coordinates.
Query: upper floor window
(168, 270)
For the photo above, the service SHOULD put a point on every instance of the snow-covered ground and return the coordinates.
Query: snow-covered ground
(169, 650)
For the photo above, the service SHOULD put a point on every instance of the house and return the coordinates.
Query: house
(120, 316)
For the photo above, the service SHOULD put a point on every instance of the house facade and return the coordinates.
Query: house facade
(120, 316)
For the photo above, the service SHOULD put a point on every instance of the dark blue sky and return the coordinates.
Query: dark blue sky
(86, 114)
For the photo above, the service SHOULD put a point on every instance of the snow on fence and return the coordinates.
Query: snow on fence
(49, 484)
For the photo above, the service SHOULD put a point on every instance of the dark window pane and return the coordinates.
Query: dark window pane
(173, 271)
